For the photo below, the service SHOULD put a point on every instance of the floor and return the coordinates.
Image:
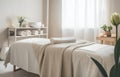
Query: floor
(8, 72)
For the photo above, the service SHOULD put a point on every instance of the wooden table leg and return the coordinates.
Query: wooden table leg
(14, 68)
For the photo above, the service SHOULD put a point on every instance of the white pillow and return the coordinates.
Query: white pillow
(62, 40)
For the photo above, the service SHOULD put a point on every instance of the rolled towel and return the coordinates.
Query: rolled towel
(21, 33)
(28, 32)
(62, 40)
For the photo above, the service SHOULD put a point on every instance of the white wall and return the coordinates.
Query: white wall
(115, 6)
(32, 9)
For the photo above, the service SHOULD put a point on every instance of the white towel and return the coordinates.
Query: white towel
(28, 32)
(21, 33)
(35, 32)
(62, 40)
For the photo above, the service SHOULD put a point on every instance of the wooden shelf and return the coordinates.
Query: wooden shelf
(31, 35)
(25, 27)
(110, 40)
(13, 33)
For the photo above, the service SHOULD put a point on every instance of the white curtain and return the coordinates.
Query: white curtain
(83, 18)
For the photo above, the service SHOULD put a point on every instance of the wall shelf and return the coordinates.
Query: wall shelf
(14, 36)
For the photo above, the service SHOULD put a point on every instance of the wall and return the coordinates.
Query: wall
(32, 9)
(115, 6)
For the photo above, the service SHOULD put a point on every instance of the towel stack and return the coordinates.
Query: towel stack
(28, 33)
(21, 33)
(24, 33)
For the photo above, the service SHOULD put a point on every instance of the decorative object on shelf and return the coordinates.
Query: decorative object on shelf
(41, 32)
(35, 24)
(21, 19)
(10, 22)
(18, 33)
(25, 24)
(21, 33)
(113, 35)
(35, 32)
(107, 30)
(42, 25)
(115, 20)
(28, 33)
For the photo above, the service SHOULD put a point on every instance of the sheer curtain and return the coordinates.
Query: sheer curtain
(83, 18)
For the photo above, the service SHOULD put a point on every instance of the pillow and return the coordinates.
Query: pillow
(62, 40)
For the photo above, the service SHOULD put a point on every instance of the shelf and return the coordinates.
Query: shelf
(13, 33)
(29, 35)
(43, 27)
(27, 28)
(26, 36)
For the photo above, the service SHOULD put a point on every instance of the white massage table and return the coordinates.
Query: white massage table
(24, 57)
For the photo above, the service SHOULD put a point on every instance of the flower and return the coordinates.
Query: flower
(115, 19)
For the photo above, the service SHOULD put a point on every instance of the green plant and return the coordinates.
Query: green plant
(115, 20)
(115, 70)
(106, 28)
(109, 28)
(21, 20)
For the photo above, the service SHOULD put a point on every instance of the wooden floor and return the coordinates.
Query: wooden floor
(8, 72)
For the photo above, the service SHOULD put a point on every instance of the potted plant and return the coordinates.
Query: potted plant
(107, 30)
(115, 20)
(21, 19)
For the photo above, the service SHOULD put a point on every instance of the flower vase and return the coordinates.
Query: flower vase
(20, 24)
(108, 33)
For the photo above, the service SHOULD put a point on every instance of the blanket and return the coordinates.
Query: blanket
(65, 59)
(56, 59)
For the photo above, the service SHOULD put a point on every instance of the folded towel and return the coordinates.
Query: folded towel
(28, 32)
(21, 33)
(62, 40)
(35, 32)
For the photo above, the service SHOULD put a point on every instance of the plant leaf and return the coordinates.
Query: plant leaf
(115, 71)
(100, 67)
(117, 52)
